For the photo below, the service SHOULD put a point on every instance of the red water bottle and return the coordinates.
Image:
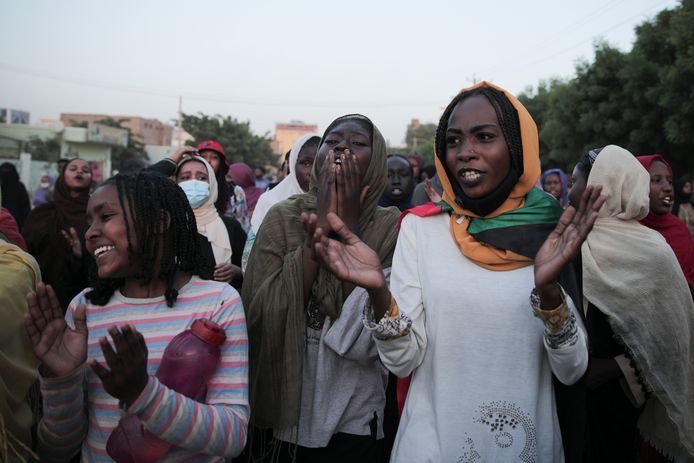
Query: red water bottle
(189, 361)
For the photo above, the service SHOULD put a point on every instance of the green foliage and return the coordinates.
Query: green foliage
(642, 99)
(43, 150)
(420, 140)
(240, 144)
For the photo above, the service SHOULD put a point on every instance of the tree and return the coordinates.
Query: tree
(240, 144)
(642, 99)
(420, 139)
(43, 150)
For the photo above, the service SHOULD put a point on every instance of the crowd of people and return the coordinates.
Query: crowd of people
(367, 307)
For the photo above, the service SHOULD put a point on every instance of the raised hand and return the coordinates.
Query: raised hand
(350, 194)
(178, 155)
(349, 259)
(60, 348)
(564, 243)
(126, 375)
(433, 195)
(73, 241)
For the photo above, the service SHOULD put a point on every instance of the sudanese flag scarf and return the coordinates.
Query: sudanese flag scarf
(509, 236)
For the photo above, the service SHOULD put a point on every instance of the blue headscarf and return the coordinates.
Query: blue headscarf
(564, 200)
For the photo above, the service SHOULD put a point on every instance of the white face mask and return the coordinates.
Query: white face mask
(196, 191)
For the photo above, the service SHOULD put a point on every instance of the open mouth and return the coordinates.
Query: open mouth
(101, 250)
(396, 191)
(667, 201)
(470, 176)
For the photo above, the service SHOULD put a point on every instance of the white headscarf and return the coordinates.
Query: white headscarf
(286, 188)
(209, 223)
(631, 274)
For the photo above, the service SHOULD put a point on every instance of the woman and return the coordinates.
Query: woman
(44, 192)
(661, 220)
(197, 179)
(242, 176)
(301, 159)
(315, 378)
(14, 194)
(640, 317)
(554, 182)
(148, 289)
(683, 207)
(480, 361)
(54, 232)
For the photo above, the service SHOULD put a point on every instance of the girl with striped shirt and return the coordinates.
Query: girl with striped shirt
(148, 289)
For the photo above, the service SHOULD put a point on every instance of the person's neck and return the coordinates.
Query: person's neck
(134, 289)
(75, 193)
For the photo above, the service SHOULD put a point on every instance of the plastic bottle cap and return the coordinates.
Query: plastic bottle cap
(209, 331)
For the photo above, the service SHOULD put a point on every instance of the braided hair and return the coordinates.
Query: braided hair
(150, 200)
(509, 123)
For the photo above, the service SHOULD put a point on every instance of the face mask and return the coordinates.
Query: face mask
(196, 191)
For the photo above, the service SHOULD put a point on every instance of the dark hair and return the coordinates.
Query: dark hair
(585, 163)
(396, 155)
(510, 127)
(150, 199)
(429, 170)
(223, 193)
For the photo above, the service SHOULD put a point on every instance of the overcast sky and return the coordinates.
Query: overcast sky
(276, 61)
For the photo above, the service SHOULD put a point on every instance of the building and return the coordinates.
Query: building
(146, 131)
(94, 144)
(287, 133)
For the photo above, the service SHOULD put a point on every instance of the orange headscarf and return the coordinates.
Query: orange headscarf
(482, 254)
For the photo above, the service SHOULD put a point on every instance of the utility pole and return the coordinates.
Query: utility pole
(180, 121)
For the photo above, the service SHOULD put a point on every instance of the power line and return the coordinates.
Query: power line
(208, 97)
(577, 44)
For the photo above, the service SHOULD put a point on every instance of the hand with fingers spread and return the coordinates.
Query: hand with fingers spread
(433, 195)
(60, 348)
(349, 259)
(327, 195)
(350, 193)
(73, 241)
(126, 375)
(564, 243)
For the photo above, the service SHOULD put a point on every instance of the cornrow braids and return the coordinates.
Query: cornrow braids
(163, 222)
(509, 123)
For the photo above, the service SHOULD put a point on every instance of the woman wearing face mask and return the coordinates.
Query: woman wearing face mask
(461, 313)
(196, 178)
(54, 232)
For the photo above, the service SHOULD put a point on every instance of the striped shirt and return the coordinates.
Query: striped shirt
(199, 431)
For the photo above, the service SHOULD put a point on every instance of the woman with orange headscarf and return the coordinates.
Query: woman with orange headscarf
(460, 313)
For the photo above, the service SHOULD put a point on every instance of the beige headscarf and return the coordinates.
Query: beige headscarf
(631, 275)
(209, 223)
